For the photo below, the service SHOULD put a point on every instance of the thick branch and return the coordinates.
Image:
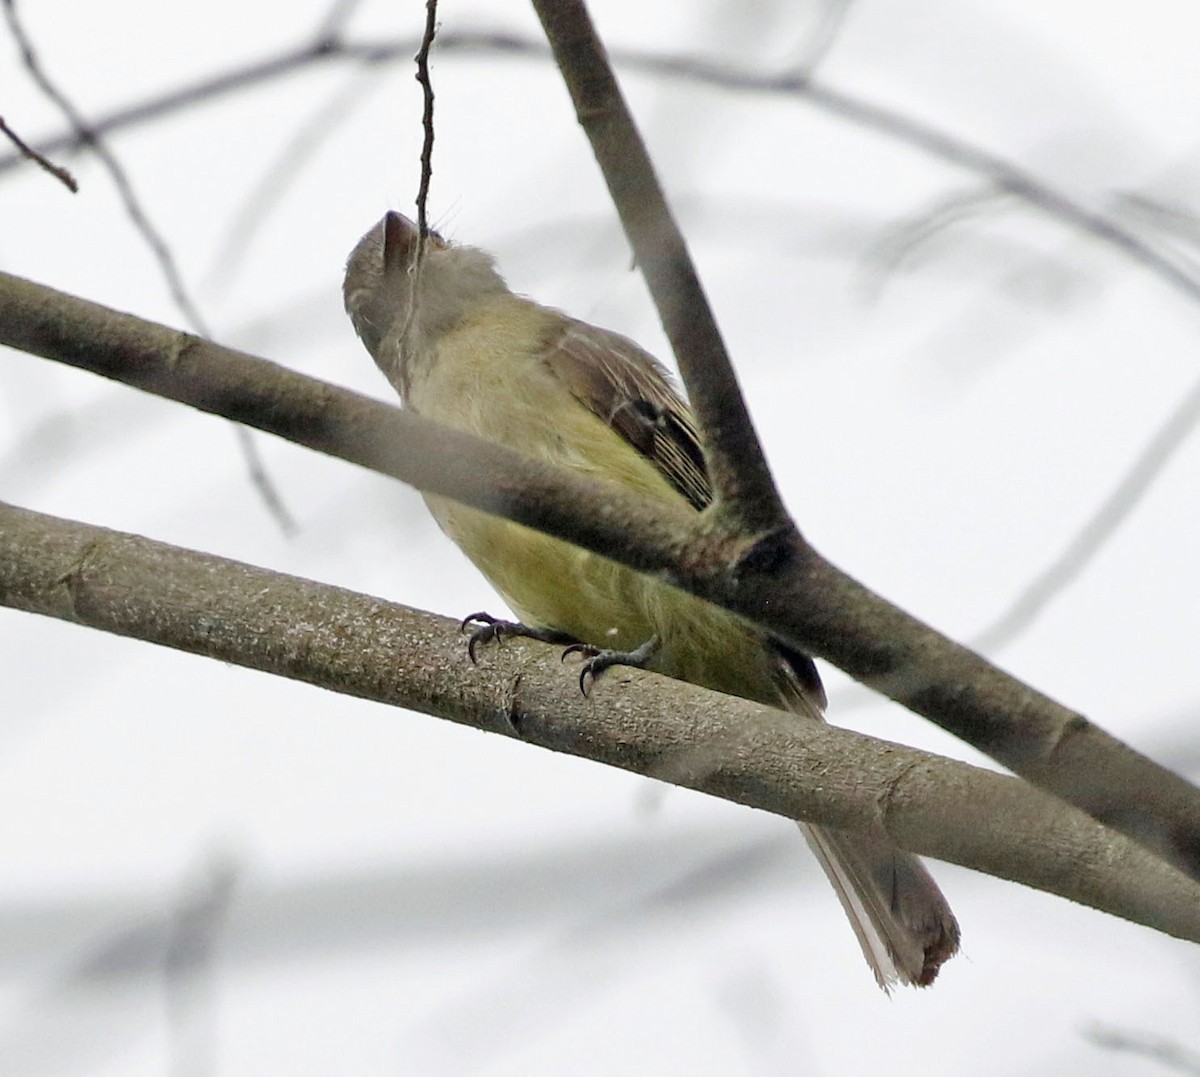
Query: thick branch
(1051, 745)
(746, 497)
(338, 422)
(786, 586)
(728, 747)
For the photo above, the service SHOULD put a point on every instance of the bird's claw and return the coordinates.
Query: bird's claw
(491, 629)
(488, 629)
(592, 665)
(596, 660)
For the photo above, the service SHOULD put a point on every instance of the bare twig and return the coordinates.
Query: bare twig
(426, 82)
(717, 744)
(256, 470)
(791, 592)
(25, 150)
(88, 136)
(1100, 527)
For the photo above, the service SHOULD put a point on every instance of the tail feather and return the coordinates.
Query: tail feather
(902, 921)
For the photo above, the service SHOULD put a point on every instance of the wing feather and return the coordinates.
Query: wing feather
(631, 391)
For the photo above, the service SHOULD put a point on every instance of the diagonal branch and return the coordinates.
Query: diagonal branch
(87, 136)
(1001, 175)
(746, 498)
(1113, 511)
(153, 238)
(786, 587)
(752, 529)
(61, 174)
(717, 744)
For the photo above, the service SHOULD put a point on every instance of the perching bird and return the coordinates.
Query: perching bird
(467, 352)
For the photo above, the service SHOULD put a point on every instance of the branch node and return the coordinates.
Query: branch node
(891, 791)
(771, 553)
(512, 710)
(71, 581)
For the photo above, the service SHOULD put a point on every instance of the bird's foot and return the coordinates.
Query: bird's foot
(596, 659)
(484, 628)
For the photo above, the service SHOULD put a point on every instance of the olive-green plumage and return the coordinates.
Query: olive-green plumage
(469, 353)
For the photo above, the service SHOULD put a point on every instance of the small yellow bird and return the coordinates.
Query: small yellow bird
(465, 351)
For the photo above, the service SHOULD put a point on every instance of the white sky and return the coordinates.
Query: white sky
(413, 897)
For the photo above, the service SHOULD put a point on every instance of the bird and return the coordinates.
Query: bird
(464, 350)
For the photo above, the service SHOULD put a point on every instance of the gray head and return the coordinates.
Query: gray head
(378, 291)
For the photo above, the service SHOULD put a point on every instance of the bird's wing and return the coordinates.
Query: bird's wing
(902, 921)
(629, 389)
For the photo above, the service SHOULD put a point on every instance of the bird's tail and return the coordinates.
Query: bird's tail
(903, 923)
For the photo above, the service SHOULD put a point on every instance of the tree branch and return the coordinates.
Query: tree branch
(154, 239)
(716, 744)
(1117, 507)
(785, 587)
(1002, 176)
(746, 500)
(25, 150)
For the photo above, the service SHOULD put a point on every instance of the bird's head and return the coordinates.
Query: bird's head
(392, 318)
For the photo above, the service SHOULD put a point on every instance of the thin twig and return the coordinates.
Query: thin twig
(423, 77)
(25, 150)
(426, 82)
(1100, 527)
(88, 136)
